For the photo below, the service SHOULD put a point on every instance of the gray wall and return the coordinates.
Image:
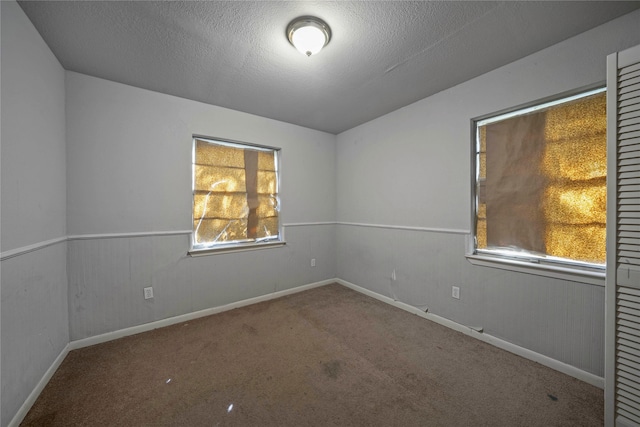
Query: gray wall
(129, 171)
(34, 319)
(123, 156)
(412, 168)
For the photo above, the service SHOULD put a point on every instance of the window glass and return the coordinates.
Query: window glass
(235, 194)
(541, 181)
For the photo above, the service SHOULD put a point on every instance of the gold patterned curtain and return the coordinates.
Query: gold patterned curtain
(542, 181)
(235, 193)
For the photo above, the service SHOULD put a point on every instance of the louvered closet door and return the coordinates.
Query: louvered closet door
(623, 240)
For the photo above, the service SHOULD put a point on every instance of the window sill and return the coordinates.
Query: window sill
(592, 277)
(235, 248)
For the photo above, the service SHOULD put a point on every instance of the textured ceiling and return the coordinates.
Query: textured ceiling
(382, 55)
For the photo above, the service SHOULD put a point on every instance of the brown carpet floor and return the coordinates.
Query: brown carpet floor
(327, 356)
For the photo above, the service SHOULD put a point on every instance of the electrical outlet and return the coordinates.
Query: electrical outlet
(455, 292)
(313, 262)
(148, 293)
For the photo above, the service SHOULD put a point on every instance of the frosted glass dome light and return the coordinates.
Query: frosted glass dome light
(308, 34)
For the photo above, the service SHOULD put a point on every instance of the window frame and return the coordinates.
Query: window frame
(559, 268)
(236, 246)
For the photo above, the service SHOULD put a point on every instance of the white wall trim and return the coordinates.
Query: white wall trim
(109, 336)
(33, 396)
(41, 245)
(497, 342)
(31, 248)
(406, 227)
(308, 224)
(128, 235)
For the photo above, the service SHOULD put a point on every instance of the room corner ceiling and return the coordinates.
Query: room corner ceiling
(382, 55)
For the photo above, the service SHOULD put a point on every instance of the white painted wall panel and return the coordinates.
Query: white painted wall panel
(107, 277)
(33, 135)
(34, 313)
(34, 321)
(556, 318)
(129, 170)
(412, 168)
(129, 158)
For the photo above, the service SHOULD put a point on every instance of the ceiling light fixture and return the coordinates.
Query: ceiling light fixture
(308, 34)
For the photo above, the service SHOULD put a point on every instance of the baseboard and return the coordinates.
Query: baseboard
(33, 396)
(109, 336)
(497, 342)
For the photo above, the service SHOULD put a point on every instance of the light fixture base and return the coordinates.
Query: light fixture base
(304, 25)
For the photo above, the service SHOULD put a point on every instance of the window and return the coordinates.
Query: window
(235, 195)
(540, 183)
